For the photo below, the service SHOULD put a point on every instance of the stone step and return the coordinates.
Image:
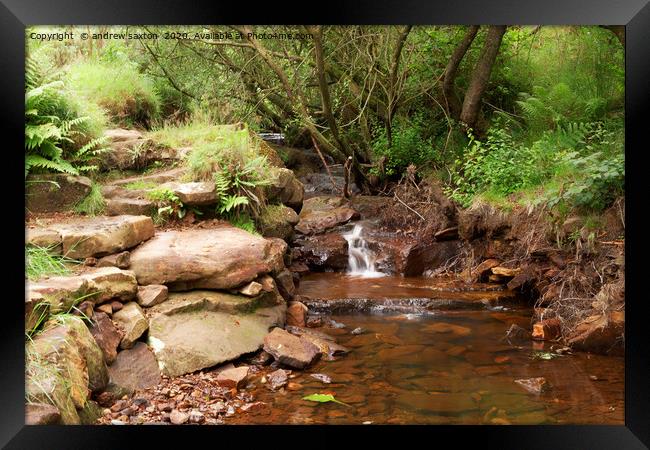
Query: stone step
(82, 237)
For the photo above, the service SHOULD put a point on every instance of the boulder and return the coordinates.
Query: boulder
(316, 221)
(57, 371)
(60, 293)
(324, 251)
(132, 321)
(83, 237)
(129, 206)
(134, 368)
(111, 283)
(199, 329)
(41, 414)
(107, 336)
(506, 271)
(290, 350)
(425, 256)
(600, 333)
(286, 189)
(197, 193)
(151, 295)
(55, 192)
(44, 238)
(120, 260)
(278, 221)
(217, 258)
(76, 333)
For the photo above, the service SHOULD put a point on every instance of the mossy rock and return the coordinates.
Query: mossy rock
(277, 221)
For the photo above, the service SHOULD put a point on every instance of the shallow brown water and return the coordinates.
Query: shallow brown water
(441, 367)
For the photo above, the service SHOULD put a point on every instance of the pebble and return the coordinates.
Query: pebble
(358, 331)
(117, 422)
(178, 418)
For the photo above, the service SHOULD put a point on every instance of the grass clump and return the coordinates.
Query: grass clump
(141, 185)
(127, 95)
(39, 262)
(189, 134)
(93, 204)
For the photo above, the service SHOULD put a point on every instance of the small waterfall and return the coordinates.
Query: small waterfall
(361, 261)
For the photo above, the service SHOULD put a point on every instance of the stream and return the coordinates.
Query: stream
(439, 366)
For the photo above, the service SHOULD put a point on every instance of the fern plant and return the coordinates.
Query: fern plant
(52, 131)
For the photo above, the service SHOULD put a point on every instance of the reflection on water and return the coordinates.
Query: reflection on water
(450, 367)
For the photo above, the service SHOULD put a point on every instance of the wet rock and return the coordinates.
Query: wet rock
(318, 215)
(431, 255)
(134, 368)
(324, 251)
(547, 330)
(199, 329)
(132, 321)
(442, 327)
(120, 260)
(325, 343)
(277, 379)
(118, 206)
(285, 284)
(602, 333)
(218, 258)
(107, 336)
(286, 189)
(296, 313)
(358, 330)
(290, 350)
(232, 377)
(252, 289)
(517, 333)
(314, 322)
(321, 377)
(151, 295)
(111, 283)
(98, 236)
(261, 359)
(41, 414)
(533, 385)
(55, 192)
(178, 418)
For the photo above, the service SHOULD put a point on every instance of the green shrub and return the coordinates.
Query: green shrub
(168, 203)
(409, 144)
(127, 95)
(39, 262)
(57, 137)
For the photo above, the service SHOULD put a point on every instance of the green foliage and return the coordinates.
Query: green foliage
(93, 204)
(323, 398)
(127, 95)
(57, 137)
(40, 261)
(409, 144)
(243, 221)
(168, 204)
(141, 185)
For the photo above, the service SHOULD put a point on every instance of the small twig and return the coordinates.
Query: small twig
(408, 207)
(327, 168)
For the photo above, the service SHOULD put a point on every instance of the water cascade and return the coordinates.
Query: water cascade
(361, 260)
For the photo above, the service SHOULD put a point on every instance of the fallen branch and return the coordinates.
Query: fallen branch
(408, 207)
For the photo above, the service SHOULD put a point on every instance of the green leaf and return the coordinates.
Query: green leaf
(323, 398)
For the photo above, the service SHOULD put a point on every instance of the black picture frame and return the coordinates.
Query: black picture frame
(15, 15)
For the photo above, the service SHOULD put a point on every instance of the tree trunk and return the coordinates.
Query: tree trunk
(481, 76)
(452, 102)
(392, 82)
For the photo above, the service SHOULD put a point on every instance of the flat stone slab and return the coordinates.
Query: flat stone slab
(291, 350)
(197, 336)
(194, 193)
(99, 236)
(129, 206)
(217, 258)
